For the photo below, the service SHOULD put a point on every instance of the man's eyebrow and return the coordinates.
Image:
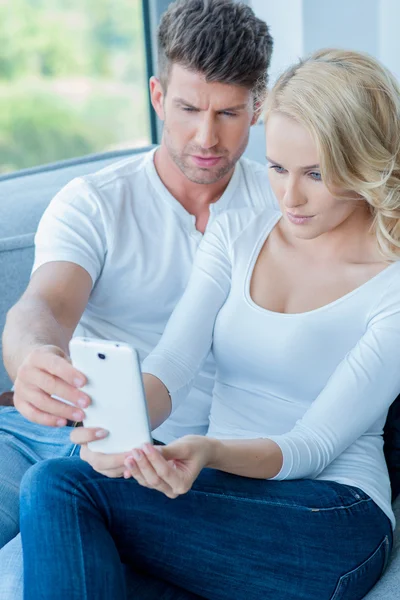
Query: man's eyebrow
(185, 102)
(302, 168)
(230, 108)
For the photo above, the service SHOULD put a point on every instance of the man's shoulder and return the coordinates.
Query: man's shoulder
(254, 170)
(256, 180)
(125, 171)
(234, 223)
(108, 186)
(252, 166)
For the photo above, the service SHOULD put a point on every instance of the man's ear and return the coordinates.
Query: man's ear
(258, 109)
(157, 96)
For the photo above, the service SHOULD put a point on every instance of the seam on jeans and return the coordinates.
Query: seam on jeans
(80, 550)
(283, 504)
(15, 521)
(92, 480)
(338, 592)
(388, 550)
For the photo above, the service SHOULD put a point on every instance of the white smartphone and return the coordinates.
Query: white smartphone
(115, 386)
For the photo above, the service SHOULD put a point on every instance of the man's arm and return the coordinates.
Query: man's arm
(35, 343)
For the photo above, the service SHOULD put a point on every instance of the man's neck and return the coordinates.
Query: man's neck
(194, 197)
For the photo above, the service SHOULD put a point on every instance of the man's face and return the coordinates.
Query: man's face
(206, 125)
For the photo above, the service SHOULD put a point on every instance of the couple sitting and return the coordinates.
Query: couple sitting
(287, 495)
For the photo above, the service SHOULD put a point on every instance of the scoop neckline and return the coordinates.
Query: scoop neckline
(250, 271)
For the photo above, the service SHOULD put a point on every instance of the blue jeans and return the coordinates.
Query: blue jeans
(22, 444)
(228, 538)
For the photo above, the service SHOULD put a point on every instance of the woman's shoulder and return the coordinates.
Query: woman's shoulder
(234, 223)
(388, 284)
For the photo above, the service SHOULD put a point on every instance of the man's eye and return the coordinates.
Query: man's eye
(228, 114)
(189, 109)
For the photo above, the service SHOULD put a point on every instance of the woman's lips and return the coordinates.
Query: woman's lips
(206, 162)
(299, 219)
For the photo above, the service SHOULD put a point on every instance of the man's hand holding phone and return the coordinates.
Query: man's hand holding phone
(46, 372)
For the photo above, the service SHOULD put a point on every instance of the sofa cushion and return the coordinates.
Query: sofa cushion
(388, 586)
(24, 195)
(392, 446)
(16, 257)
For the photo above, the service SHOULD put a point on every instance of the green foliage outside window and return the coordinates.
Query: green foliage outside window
(72, 79)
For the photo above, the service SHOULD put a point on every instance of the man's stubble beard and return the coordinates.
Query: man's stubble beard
(195, 174)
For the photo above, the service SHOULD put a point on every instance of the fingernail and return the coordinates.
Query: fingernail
(101, 433)
(137, 455)
(61, 422)
(82, 402)
(78, 382)
(147, 448)
(78, 415)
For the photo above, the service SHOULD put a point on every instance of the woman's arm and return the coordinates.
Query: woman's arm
(359, 392)
(158, 400)
(173, 469)
(188, 336)
(260, 459)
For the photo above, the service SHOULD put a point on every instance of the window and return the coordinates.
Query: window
(73, 79)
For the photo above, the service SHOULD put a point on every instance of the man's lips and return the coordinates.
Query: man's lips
(209, 161)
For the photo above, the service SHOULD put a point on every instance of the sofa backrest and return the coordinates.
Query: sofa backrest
(23, 199)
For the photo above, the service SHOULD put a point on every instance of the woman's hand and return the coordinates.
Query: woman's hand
(110, 465)
(170, 469)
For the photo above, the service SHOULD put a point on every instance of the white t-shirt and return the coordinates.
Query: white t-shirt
(138, 243)
(318, 383)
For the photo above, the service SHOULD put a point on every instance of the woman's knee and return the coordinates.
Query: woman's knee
(49, 477)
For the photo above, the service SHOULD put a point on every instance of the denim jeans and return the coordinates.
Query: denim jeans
(228, 538)
(22, 444)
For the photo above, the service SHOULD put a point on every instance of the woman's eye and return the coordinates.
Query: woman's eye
(188, 109)
(315, 175)
(277, 168)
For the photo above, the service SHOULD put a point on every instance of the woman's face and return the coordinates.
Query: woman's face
(308, 207)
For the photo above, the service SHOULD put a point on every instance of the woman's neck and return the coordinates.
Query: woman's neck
(352, 241)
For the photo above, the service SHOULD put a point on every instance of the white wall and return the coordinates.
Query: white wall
(302, 26)
(389, 35)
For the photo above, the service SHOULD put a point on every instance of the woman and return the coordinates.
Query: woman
(288, 496)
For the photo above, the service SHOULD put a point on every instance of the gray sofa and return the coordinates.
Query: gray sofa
(23, 198)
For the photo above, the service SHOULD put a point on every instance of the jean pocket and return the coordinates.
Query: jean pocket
(355, 584)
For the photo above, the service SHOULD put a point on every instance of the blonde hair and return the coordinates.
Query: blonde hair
(350, 103)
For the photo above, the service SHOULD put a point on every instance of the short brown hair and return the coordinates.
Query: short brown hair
(221, 39)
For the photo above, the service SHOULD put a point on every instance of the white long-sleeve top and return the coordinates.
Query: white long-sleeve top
(317, 383)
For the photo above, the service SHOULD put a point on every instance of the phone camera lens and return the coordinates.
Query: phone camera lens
(102, 356)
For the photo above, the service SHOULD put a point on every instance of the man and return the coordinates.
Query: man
(114, 249)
